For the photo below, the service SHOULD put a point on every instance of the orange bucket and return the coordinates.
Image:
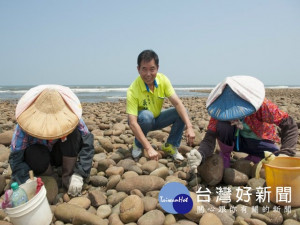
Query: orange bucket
(284, 172)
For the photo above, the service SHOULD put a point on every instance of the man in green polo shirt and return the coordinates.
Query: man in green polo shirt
(145, 98)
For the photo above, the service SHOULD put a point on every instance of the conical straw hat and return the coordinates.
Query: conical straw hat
(48, 117)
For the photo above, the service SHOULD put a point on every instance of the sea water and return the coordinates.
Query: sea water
(98, 93)
(111, 93)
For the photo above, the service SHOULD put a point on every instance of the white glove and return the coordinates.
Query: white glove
(194, 159)
(76, 183)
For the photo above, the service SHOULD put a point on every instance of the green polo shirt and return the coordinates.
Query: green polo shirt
(140, 97)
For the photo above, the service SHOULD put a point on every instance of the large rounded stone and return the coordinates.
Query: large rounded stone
(113, 181)
(198, 138)
(276, 217)
(210, 218)
(114, 199)
(106, 144)
(104, 211)
(150, 166)
(103, 164)
(254, 222)
(104, 126)
(136, 169)
(114, 170)
(162, 172)
(98, 148)
(4, 153)
(254, 183)
(131, 209)
(97, 198)
(169, 219)
(137, 192)
(98, 181)
(117, 132)
(99, 156)
(153, 217)
(244, 166)
(173, 178)
(116, 209)
(116, 156)
(291, 222)
(144, 183)
(114, 219)
(77, 215)
(185, 222)
(126, 164)
(81, 201)
(150, 203)
(211, 171)
(129, 174)
(119, 126)
(5, 137)
(194, 214)
(243, 211)
(158, 135)
(225, 217)
(234, 177)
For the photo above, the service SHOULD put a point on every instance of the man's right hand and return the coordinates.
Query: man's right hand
(152, 153)
(194, 159)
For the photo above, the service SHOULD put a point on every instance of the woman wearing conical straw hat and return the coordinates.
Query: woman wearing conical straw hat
(242, 119)
(50, 132)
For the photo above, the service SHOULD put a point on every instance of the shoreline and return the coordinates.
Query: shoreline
(270, 92)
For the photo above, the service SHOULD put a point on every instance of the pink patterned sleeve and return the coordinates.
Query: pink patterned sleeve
(212, 124)
(82, 128)
(270, 113)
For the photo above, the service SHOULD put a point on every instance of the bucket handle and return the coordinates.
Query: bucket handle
(269, 156)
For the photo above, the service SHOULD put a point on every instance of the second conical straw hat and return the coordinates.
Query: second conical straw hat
(48, 117)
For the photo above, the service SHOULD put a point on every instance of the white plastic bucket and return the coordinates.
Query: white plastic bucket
(34, 212)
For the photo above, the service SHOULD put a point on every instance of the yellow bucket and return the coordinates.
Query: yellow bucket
(282, 173)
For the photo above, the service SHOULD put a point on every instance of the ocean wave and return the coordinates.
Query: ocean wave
(277, 87)
(102, 90)
(117, 97)
(14, 91)
(78, 90)
(75, 90)
(22, 90)
(192, 88)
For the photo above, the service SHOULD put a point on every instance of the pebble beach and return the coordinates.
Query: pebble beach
(123, 191)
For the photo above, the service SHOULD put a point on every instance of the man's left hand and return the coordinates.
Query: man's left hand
(190, 136)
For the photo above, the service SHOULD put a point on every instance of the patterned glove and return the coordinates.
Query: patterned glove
(194, 159)
(76, 183)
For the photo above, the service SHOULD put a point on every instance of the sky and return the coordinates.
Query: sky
(199, 42)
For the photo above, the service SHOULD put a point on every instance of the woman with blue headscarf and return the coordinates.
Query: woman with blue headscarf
(242, 119)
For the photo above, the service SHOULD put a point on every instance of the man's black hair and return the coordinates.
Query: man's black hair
(147, 56)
